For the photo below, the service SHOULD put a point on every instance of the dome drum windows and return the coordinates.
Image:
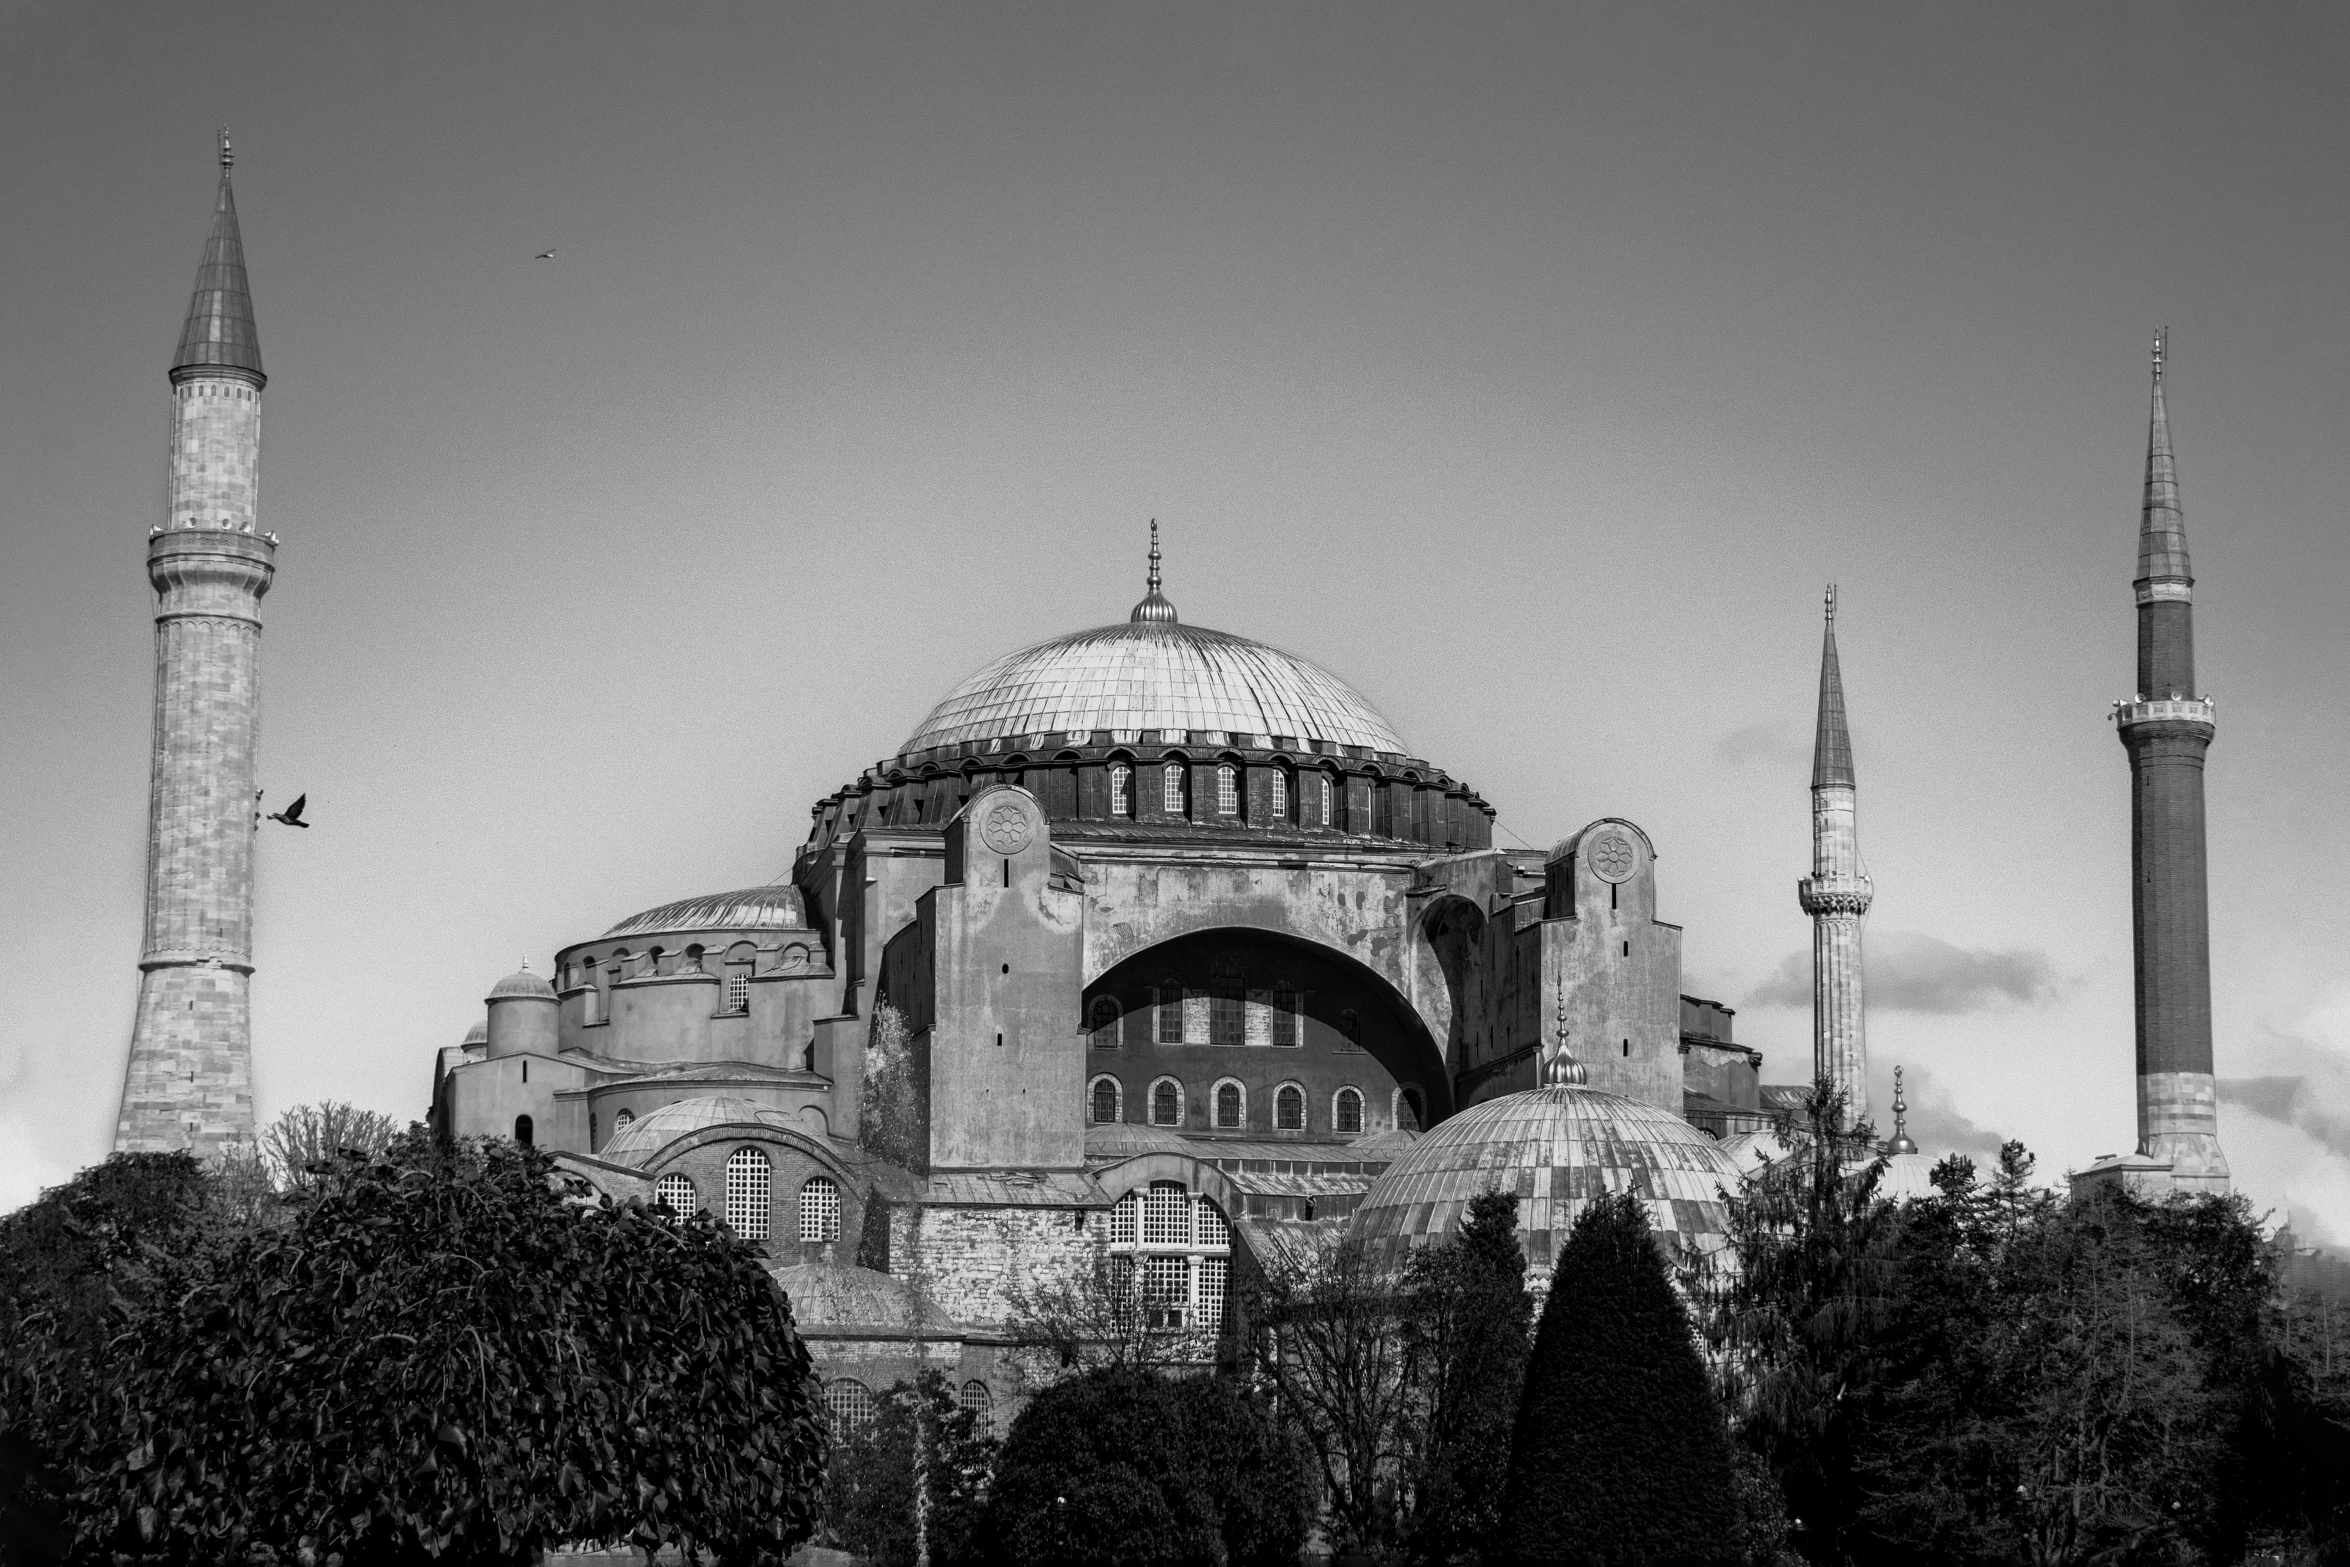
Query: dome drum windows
(1172, 791)
(1121, 791)
(1227, 789)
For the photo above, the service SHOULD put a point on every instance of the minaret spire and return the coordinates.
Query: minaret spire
(1154, 608)
(1900, 1142)
(1836, 893)
(219, 330)
(2167, 727)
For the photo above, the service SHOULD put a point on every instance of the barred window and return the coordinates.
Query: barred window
(848, 1404)
(1170, 1014)
(975, 1398)
(1289, 1108)
(1173, 803)
(1227, 790)
(1105, 1101)
(1285, 1021)
(1166, 1215)
(1346, 1112)
(676, 1193)
(1230, 1112)
(747, 1173)
(819, 1209)
(1121, 789)
(620, 1122)
(1227, 1017)
(1102, 1018)
(738, 991)
(1280, 795)
(1214, 1277)
(1209, 1218)
(1166, 1102)
(1126, 1220)
(1322, 793)
(1166, 1286)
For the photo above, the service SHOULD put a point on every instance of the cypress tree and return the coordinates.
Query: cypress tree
(1620, 1455)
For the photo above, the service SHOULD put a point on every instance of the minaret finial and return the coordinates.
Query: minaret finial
(228, 154)
(1154, 573)
(1154, 607)
(1831, 603)
(1565, 1070)
(2160, 335)
(1900, 1142)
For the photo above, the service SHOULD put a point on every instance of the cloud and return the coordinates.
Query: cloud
(2314, 1100)
(1936, 1124)
(1909, 972)
(1769, 741)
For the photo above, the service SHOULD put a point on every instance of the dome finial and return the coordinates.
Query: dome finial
(1154, 608)
(1565, 1070)
(1900, 1142)
(228, 154)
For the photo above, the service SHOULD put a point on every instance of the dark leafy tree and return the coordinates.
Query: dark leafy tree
(447, 1354)
(1469, 1323)
(1620, 1455)
(1135, 1467)
(873, 1504)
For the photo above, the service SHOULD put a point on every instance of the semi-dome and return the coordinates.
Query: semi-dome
(1558, 1148)
(648, 1134)
(751, 908)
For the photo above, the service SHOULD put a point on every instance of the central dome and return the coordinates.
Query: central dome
(1156, 675)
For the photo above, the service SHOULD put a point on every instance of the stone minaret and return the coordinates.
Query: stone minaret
(190, 1079)
(2167, 727)
(1836, 894)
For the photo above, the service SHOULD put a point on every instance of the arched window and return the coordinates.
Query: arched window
(676, 1193)
(975, 1400)
(1102, 1018)
(1407, 1109)
(1172, 1248)
(620, 1122)
(747, 1173)
(1285, 1017)
(1227, 1015)
(739, 959)
(819, 1209)
(1121, 790)
(1105, 1101)
(1280, 794)
(848, 1404)
(522, 1130)
(1166, 1102)
(1289, 1108)
(1346, 1112)
(1324, 813)
(1227, 790)
(1231, 1106)
(1172, 801)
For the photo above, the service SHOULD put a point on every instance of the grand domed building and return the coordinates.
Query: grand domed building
(1151, 941)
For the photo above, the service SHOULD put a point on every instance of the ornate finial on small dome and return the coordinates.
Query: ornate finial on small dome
(228, 154)
(1565, 1070)
(2159, 335)
(1154, 608)
(1900, 1142)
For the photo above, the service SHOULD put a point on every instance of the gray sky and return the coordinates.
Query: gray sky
(1530, 367)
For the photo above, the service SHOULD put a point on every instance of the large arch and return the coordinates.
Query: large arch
(1343, 1007)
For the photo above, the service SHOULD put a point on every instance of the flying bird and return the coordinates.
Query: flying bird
(547, 254)
(291, 816)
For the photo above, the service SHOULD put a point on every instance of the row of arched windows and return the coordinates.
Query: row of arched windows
(734, 971)
(849, 1406)
(1223, 1019)
(1316, 804)
(748, 1198)
(1165, 1102)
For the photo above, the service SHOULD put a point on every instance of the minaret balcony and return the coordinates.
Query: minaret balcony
(2172, 710)
(1835, 894)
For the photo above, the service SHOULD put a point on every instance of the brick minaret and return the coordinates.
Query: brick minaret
(2167, 727)
(1836, 894)
(190, 1079)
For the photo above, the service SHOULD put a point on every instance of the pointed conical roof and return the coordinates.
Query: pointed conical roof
(2162, 526)
(1831, 751)
(220, 331)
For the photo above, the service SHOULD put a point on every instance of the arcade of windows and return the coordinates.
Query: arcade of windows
(1224, 1013)
(1171, 1257)
(750, 1178)
(1310, 802)
(849, 1406)
(1164, 1103)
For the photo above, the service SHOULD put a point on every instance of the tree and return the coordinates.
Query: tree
(1620, 1454)
(871, 1495)
(893, 1120)
(1090, 1317)
(303, 1145)
(1140, 1468)
(449, 1353)
(1469, 1323)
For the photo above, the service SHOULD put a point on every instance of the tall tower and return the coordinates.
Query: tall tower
(189, 1083)
(2167, 727)
(1836, 894)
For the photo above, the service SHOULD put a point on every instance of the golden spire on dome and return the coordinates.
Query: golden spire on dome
(1565, 1070)
(1900, 1142)
(1154, 608)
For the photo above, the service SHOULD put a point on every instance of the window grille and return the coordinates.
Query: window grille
(1166, 1284)
(1227, 1020)
(1348, 1113)
(1122, 1292)
(746, 1193)
(980, 1403)
(1104, 1013)
(1228, 1107)
(1166, 1104)
(1174, 785)
(738, 992)
(1126, 1220)
(1170, 1014)
(1213, 1231)
(819, 1209)
(1208, 1311)
(676, 1193)
(1105, 1101)
(1285, 1010)
(1322, 789)
(848, 1403)
(1227, 790)
(620, 1122)
(1121, 790)
(1280, 795)
(1166, 1216)
(1289, 1108)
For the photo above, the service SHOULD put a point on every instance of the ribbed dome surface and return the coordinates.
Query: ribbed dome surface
(522, 984)
(1557, 1148)
(648, 1134)
(752, 908)
(1154, 675)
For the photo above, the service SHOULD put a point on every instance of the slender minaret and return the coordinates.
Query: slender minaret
(189, 1083)
(1836, 894)
(2167, 727)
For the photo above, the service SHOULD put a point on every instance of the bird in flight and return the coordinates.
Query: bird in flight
(547, 254)
(291, 816)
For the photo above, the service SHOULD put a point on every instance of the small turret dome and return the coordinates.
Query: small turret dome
(1558, 1148)
(478, 1034)
(521, 985)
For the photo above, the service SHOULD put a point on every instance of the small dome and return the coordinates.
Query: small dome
(1558, 1147)
(1907, 1175)
(648, 1134)
(521, 984)
(839, 1296)
(751, 908)
(1112, 1140)
(478, 1034)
